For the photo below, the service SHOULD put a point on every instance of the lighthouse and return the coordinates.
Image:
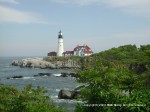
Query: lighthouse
(60, 48)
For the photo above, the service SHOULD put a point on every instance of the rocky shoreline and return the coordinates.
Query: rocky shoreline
(63, 94)
(41, 63)
(47, 75)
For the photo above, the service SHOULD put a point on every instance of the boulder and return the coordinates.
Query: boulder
(64, 74)
(15, 77)
(28, 64)
(42, 74)
(15, 63)
(74, 75)
(68, 94)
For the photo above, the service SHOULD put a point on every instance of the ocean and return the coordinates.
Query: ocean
(51, 83)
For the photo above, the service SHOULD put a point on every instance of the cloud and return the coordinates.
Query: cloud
(14, 16)
(9, 1)
(130, 6)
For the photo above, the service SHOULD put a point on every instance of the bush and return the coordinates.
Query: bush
(28, 100)
(113, 85)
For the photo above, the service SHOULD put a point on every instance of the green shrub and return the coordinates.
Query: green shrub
(28, 100)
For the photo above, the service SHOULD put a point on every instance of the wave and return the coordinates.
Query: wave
(57, 75)
(25, 78)
(54, 97)
(28, 78)
(57, 90)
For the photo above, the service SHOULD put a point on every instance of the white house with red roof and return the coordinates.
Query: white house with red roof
(82, 50)
(79, 51)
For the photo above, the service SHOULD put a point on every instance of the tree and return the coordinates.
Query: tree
(112, 85)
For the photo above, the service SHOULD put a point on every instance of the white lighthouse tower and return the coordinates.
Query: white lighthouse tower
(60, 48)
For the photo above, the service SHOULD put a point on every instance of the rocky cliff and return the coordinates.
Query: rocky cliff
(41, 63)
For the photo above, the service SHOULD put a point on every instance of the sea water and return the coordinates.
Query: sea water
(52, 83)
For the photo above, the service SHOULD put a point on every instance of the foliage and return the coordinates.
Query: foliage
(27, 100)
(126, 54)
(111, 85)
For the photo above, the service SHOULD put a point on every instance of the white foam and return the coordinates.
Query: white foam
(27, 77)
(57, 90)
(44, 76)
(57, 75)
(54, 97)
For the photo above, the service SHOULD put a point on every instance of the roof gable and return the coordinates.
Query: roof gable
(85, 47)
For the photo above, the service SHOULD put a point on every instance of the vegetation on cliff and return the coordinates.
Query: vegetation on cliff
(117, 80)
(126, 54)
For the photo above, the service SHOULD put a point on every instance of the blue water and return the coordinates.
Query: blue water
(52, 83)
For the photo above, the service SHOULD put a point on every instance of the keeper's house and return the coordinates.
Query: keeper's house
(79, 51)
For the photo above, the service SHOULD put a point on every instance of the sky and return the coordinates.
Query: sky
(30, 27)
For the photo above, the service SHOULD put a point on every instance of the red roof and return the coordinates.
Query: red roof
(52, 54)
(88, 52)
(84, 46)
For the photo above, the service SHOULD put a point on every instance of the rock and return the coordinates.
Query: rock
(16, 63)
(33, 63)
(68, 94)
(41, 63)
(42, 74)
(43, 67)
(28, 64)
(15, 77)
(65, 94)
(74, 75)
(64, 74)
(76, 94)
